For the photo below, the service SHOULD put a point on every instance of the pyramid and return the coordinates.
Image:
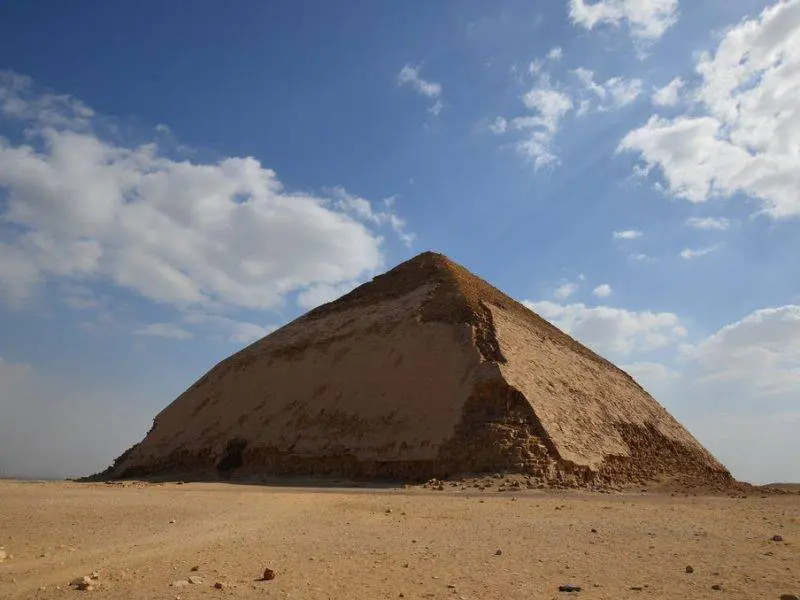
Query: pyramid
(426, 371)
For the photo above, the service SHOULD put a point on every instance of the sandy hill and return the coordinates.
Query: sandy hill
(426, 371)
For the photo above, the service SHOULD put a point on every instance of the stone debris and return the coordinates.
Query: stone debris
(82, 583)
(269, 575)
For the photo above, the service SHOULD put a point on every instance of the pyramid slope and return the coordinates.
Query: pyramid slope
(425, 371)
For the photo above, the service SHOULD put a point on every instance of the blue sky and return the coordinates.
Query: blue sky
(176, 179)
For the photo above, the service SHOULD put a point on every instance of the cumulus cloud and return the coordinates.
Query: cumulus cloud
(670, 94)
(82, 209)
(647, 20)
(565, 290)
(742, 134)
(708, 223)
(612, 331)
(612, 93)
(627, 234)
(761, 351)
(602, 291)
(410, 76)
(166, 330)
(691, 254)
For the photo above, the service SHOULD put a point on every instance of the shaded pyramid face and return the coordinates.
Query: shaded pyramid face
(426, 371)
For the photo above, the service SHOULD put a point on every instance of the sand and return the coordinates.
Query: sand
(339, 543)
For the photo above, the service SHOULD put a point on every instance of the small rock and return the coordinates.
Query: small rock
(195, 579)
(179, 583)
(195, 569)
(82, 583)
(405, 565)
(269, 575)
(776, 538)
(171, 521)
(789, 597)
(637, 588)
(220, 585)
(690, 569)
(716, 587)
(388, 511)
(451, 586)
(569, 588)
(3, 555)
(95, 575)
(594, 530)
(498, 552)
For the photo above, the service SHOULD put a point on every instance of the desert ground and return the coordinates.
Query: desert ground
(145, 540)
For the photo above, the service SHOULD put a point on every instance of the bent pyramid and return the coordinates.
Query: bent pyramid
(426, 371)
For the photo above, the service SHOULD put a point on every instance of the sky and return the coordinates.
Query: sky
(179, 178)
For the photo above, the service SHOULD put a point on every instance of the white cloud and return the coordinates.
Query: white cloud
(612, 331)
(761, 352)
(187, 234)
(548, 106)
(690, 254)
(670, 94)
(602, 291)
(436, 108)
(555, 53)
(232, 330)
(322, 293)
(613, 93)
(362, 209)
(708, 223)
(499, 125)
(646, 19)
(565, 290)
(743, 133)
(166, 330)
(410, 76)
(627, 234)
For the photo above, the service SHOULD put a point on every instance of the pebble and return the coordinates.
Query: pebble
(789, 597)
(171, 521)
(195, 580)
(777, 538)
(220, 585)
(690, 569)
(3, 555)
(716, 587)
(82, 583)
(195, 568)
(498, 552)
(269, 575)
(569, 588)
(179, 583)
